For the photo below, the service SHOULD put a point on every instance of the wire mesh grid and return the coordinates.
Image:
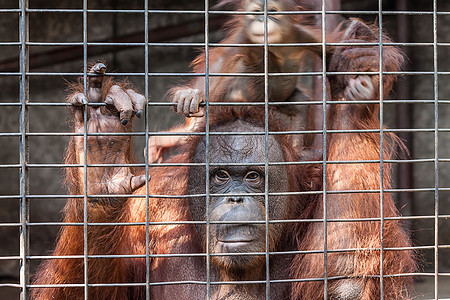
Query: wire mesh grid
(20, 66)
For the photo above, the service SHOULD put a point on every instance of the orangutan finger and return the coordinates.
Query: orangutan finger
(138, 102)
(179, 99)
(77, 99)
(94, 90)
(121, 101)
(138, 181)
(195, 103)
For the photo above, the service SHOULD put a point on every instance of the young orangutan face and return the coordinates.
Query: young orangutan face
(279, 27)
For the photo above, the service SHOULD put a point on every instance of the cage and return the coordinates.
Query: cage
(47, 45)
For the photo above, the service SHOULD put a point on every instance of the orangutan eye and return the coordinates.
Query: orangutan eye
(221, 176)
(253, 7)
(252, 176)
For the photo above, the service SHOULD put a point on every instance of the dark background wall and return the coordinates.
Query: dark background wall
(67, 27)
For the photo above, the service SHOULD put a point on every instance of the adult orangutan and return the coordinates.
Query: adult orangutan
(236, 211)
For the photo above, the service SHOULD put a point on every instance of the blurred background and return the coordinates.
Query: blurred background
(417, 113)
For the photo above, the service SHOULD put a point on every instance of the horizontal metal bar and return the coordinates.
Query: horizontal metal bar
(184, 282)
(74, 285)
(68, 134)
(10, 74)
(13, 285)
(374, 191)
(398, 218)
(214, 12)
(178, 74)
(220, 133)
(190, 74)
(47, 197)
(306, 162)
(10, 258)
(171, 74)
(170, 255)
(10, 43)
(396, 44)
(219, 45)
(309, 102)
(227, 254)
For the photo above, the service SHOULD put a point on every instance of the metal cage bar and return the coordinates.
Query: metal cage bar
(207, 158)
(24, 149)
(436, 154)
(85, 168)
(147, 199)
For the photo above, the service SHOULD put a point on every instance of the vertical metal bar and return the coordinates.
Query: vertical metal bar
(324, 150)
(380, 66)
(266, 149)
(147, 192)
(85, 192)
(24, 148)
(404, 117)
(208, 254)
(317, 82)
(115, 30)
(436, 154)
